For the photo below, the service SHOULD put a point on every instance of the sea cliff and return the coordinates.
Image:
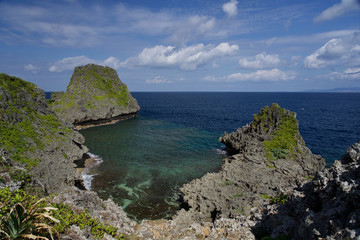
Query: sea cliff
(94, 96)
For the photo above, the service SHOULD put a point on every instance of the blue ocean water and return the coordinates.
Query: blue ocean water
(175, 139)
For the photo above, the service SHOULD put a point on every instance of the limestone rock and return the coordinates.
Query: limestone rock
(325, 208)
(268, 159)
(95, 95)
(33, 138)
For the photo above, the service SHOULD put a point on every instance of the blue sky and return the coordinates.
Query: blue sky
(197, 45)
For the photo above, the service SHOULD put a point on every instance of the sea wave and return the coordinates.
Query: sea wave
(86, 176)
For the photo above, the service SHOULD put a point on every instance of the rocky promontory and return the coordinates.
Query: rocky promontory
(94, 96)
(268, 159)
(33, 140)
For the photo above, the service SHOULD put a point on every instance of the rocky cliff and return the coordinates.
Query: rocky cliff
(33, 139)
(328, 207)
(95, 95)
(268, 159)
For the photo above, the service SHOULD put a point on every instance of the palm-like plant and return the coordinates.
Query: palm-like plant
(27, 223)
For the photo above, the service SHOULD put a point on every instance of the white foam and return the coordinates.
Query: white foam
(220, 151)
(97, 158)
(87, 178)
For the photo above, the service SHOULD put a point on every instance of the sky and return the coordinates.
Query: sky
(187, 45)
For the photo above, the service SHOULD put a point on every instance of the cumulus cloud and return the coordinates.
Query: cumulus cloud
(31, 68)
(70, 63)
(272, 75)
(187, 58)
(261, 60)
(157, 80)
(338, 10)
(338, 51)
(230, 8)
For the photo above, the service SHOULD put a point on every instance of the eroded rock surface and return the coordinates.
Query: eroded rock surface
(33, 138)
(265, 164)
(95, 95)
(326, 208)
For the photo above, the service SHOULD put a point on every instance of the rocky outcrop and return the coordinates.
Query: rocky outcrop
(33, 139)
(326, 208)
(95, 95)
(268, 160)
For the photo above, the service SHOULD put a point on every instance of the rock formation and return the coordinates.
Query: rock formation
(95, 95)
(268, 159)
(328, 207)
(33, 138)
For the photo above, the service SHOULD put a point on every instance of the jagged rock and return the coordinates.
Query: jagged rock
(269, 158)
(106, 211)
(95, 95)
(32, 137)
(326, 208)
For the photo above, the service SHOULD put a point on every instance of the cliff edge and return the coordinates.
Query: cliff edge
(94, 96)
(33, 139)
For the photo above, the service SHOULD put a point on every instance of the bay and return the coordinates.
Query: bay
(175, 139)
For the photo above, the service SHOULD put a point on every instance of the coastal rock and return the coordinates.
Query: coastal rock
(95, 95)
(33, 138)
(325, 208)
(268, 160)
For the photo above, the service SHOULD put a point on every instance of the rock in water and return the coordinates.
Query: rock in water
(33, 138)
(268, 158)
(95, 95)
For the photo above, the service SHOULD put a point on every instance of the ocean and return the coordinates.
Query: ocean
(174, 139)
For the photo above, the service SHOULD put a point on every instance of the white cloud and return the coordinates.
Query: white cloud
(112, 62)
(187, 58)
(261, 60)
(352, 70)
(31, 68)
(272, 75)
(338, 51)
(348, 74)
(157, 80)
(230, 8)
(70, 63)
(338, 10)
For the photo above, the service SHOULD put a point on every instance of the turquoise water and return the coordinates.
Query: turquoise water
(175, 139)
(146, 161)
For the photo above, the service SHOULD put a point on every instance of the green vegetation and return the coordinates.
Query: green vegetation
(107, 90)
(283, 142)
(264, 196)
(238, 195)
(281, 199)
(226, 183)
(23, 129)
(23, 215)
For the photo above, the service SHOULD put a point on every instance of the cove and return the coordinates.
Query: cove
(146, 161)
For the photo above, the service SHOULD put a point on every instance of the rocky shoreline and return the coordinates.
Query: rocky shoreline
(270, 186)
